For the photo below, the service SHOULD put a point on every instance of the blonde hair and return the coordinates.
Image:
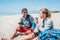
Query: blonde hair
(48, 13)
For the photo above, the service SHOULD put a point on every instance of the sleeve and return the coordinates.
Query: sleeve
(21, 21)
(41, 29)
(33, 26)
(49, 24)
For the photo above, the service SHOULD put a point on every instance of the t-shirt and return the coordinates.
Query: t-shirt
(27, 22)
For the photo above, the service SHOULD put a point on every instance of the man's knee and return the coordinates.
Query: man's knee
(31, 35)
(17, 28)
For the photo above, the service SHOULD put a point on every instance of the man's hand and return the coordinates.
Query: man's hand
(20, 25)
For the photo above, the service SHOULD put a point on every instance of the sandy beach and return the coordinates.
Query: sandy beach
(8, 23)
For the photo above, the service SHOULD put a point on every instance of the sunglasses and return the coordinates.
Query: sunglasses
(24, 12)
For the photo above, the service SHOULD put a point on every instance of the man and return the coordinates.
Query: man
(25, 24)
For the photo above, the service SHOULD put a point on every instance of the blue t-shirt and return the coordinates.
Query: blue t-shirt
(27, 22)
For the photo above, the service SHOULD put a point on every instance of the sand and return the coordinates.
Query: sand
(8, 23)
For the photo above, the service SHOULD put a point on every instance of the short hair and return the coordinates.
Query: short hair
(24, 9)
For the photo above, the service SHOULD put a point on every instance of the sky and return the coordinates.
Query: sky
(15, 6)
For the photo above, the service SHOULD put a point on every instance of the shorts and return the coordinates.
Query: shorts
(22, 29)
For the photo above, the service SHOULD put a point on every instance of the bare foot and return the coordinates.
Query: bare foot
(3, 38)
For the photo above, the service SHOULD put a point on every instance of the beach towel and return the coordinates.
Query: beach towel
(49, 34)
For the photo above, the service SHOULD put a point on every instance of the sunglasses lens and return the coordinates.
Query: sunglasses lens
(25, 12)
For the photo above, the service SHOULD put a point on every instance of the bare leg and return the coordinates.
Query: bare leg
(14, 32)
(29, 36)
(28, 32)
